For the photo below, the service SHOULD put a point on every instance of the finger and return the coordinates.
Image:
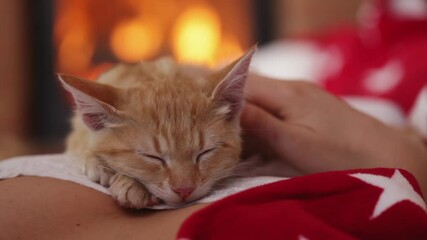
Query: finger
(261, 125)
(264, 92)
(274, 96)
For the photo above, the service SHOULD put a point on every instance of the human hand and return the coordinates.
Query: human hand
(314, 131)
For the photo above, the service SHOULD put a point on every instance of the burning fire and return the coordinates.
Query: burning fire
(197, 35)
(75, 51)
(136, 39)
(74, 40)
(194, 35)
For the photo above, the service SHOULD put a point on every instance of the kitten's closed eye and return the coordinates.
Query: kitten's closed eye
(204, 154)
(158, 159)
(152, 157)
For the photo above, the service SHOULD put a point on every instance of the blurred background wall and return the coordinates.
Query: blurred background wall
(85, 37)
(14, 77)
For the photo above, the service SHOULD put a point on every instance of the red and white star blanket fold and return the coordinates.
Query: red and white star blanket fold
(356, 204)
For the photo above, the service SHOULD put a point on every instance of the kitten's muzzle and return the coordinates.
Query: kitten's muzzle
(183, 192)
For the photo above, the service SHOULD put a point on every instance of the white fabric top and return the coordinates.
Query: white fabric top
(61, 166)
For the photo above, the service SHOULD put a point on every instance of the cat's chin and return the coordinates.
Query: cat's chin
(182, 203)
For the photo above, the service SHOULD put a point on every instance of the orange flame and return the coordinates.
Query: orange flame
(134, 40)
(75, 51)
(74, 39)
(197, 35)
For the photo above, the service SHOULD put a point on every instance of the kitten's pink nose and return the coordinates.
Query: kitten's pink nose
(183, 192)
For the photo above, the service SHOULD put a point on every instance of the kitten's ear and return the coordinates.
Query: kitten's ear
(228, 93)
(94, 101)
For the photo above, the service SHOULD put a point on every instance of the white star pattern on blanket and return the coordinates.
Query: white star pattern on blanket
(395, 189)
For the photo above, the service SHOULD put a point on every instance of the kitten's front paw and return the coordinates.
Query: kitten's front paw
(97, 173)
(130, 193)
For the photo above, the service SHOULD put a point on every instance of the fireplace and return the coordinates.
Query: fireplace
(84, 38)
(91, 35)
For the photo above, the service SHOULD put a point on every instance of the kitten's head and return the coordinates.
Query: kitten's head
(175, 134)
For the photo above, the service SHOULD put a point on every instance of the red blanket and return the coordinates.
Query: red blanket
(368, 204)
(386, 57)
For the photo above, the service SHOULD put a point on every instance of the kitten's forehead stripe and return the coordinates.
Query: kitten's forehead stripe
(201, 140)
(156, 144)
(164, 142)
(155, 117)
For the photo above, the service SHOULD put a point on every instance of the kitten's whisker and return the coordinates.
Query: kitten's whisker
(243, 168)
(237, 171)
(107, 168)
(110, 169)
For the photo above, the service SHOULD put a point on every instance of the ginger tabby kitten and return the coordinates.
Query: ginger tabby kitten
(158, 131)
